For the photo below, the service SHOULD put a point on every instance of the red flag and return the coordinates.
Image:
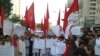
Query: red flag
(47, 13)
(26, 16)
(46, 21)
(31, 17)
(74, 7)
(65, 20)
(46, 26)
(58, 21)
(2, 12)
(42, 25)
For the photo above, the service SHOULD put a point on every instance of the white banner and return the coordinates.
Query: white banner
(8, 27)
(56, 30)
(19, 30)
(76, 30)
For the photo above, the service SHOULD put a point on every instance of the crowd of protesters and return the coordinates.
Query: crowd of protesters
(87, 44)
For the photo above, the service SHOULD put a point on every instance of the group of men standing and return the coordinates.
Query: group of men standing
(87, 44)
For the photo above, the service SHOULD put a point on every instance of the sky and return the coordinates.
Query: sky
(41, 6)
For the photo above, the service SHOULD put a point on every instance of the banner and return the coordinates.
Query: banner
(76, 30)
(56, 30)
(8, 27)
(19, 30)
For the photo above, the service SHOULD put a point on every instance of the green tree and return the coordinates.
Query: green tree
(38, 25)
(7, 6)
(15, 18)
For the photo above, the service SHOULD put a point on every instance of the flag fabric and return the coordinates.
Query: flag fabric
(74, 7)
(46, 21)
(47, 13)
(26, 16)
(46, 26)
(58, 21)
(2, 14)
(42, 25)
(65, 20)
(27, 20)
(31, 17)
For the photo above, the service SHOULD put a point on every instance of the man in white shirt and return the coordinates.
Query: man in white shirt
(97, 46)
(22, 49)
(6, 49)
(9, 46)
(58, 47)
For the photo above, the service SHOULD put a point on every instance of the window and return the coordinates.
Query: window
(92, 13)
(93, 4)
(92, 0)
(92, 8)
(92, 17)
(90, 21)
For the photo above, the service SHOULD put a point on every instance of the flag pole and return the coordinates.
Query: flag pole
(45, 41)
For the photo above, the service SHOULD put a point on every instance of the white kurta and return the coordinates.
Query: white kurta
(58, 48)
(3, 50)
(27, 45)
(97, 47)
(22, 47)
(10, 49)
(7, 49)
(53, 49)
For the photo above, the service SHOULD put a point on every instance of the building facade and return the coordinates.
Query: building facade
(16, 7)
(91, 13)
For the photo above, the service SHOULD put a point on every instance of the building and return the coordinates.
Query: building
(16, 7)
(91, 13)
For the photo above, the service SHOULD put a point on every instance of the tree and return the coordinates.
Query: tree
(7, 6)
(38, 25)
(15, 18)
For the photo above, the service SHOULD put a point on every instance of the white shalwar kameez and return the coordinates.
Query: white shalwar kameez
(58, 48)
(7, 49)
(97, 47)
(22, 47)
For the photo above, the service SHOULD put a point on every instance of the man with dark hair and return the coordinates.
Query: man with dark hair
(61, 38)
(80, 51)
(58, 47)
